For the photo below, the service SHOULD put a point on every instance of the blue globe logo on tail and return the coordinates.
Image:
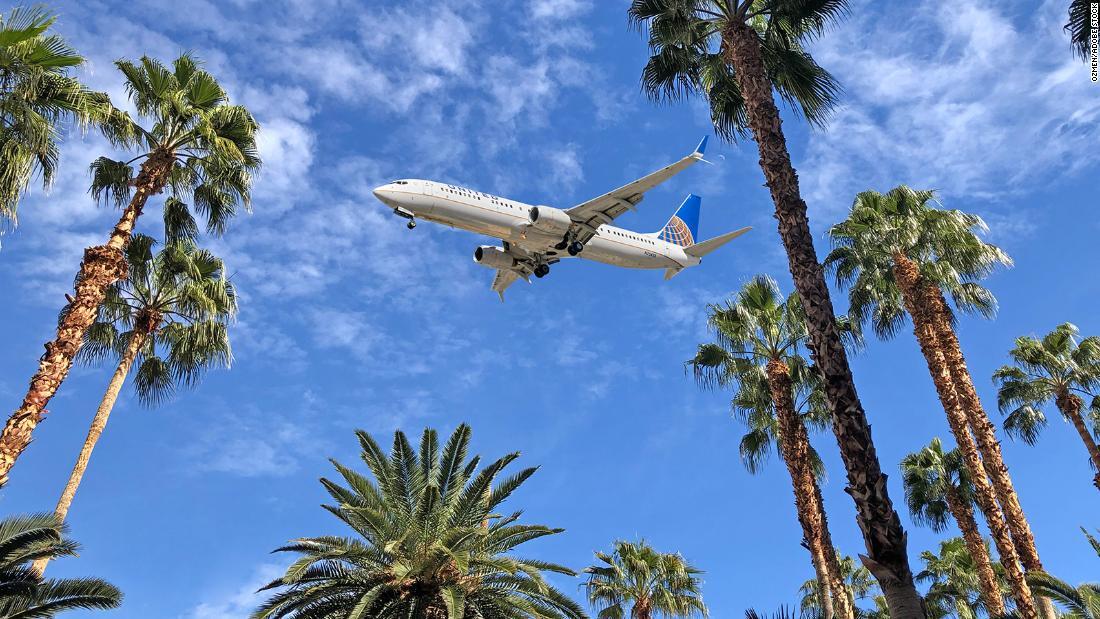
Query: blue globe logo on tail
(683, 228)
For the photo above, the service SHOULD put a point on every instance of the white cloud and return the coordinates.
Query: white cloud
(962, 101)
(241, 602)
(558, 9)
(566, 170)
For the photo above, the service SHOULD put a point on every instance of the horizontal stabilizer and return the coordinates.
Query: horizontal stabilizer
(701, 249)
(673, 272)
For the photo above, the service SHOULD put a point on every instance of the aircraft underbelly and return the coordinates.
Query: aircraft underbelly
(628, 256)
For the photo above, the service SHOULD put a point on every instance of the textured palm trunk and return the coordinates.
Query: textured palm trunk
(1070, 405)
(986, 436)
(103, 265)
(883, 535)
(99, 422)
(844, 603)
(795, 446)
(914, 294)
(989, 589)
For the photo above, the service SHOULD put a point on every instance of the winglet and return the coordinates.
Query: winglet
(702, 147)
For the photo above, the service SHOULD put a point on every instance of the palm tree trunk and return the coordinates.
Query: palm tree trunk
(883, 535)
(915, 297)
(1070, 405)
(796, 455)
(99, 422)
(986, 435)
(989, 589)
(103, 265)
(842, 600)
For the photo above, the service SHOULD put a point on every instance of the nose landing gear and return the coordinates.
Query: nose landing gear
(400, 212)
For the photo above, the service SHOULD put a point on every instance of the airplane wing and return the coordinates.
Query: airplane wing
(590, 215)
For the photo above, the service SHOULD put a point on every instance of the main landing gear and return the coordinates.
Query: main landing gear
(542, 270)
(575, 248)
(400, 212)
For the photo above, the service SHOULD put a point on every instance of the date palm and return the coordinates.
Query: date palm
(937, 489)
(169, 319)
(428, 541)
(23, 591)
(760, 338)
(898, 255)
(38, 96)
(954, 582)
(1058, 368)
(195, 144)
(651, 583)
(1080, 28)
(737, 54)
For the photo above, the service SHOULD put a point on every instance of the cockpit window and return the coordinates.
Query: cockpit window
(400, 183)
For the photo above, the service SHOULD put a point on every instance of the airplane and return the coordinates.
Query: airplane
(535, 237)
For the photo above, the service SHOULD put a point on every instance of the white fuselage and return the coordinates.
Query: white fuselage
(509, 221)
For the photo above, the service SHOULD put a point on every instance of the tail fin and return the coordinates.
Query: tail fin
(683, 228)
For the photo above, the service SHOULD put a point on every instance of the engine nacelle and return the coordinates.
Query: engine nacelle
(493, 257)
(550, 220)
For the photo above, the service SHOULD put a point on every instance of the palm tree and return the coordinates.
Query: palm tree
(937, 488)
(169, 316)
(428, 542)
(1081, 602)
(1055, 368)
(859, 585)
(652, 583)
(1080, 28)
(955, 583)
(23, 591)
(196, 145)
(734, 53)
(760, 338)
(37, 95)
(897, 255)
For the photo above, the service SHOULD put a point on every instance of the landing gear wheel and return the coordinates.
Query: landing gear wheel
(542, 270)
(560, 246)
(411, 224)
(575, 248)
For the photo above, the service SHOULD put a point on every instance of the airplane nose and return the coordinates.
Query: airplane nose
(383, 193)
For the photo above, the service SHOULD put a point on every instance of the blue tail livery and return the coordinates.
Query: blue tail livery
(683, 228)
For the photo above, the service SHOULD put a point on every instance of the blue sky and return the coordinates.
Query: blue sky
(350, 321)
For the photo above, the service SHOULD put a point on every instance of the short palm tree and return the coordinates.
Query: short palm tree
(860, 586)
(954, 583)
(761, 336)
(897, 254)
(194, 143)
(1057, 368)
(23, 591)
(428, 542)
(37, 97)
(1080, 28)
(651, 583)
(169, 318)
(737, 54)
(937, 489)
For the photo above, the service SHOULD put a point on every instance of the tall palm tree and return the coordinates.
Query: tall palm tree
(938, 488)
(428, 542)
(860, 586)
(1080, 28)
(23, 591)
(898, 255)
(197, 145)
(955, 586)
(37, 97)
(760, 337)
(735, 53)
(1056, 368)
(651, 583)
(169, 317)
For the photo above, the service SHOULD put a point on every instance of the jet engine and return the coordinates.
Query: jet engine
(493, 257)
(549, 220)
